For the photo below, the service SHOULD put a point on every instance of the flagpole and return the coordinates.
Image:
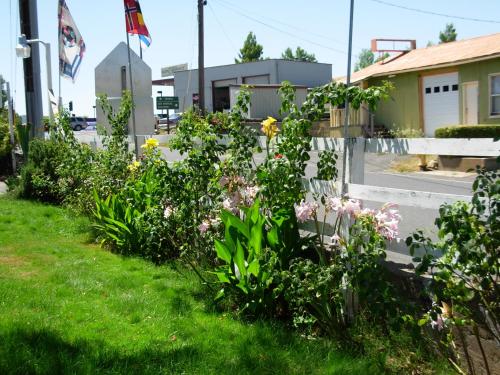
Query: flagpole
(132, 94)
(140, 45)
(59, 104)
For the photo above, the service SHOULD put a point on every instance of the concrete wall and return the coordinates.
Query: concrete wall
(479, 72)
(108, 80)
(298, 73)
(266, 101)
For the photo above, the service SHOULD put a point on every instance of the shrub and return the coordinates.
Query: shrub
(464, 280)
(469, 131)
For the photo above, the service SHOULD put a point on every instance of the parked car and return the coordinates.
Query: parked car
(91, 123)
(78, 123)
(172, 120)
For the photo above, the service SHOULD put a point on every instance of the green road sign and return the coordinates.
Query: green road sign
(167, 102)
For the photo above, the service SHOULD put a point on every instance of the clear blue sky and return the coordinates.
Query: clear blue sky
(319, 26)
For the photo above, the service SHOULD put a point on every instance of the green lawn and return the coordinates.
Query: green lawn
(67, 306)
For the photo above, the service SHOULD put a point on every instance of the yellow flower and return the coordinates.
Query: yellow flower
(150, 143)
(269, 127)
(133, 167)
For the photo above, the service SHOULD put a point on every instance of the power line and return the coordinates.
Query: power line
(280, 30)
(221, 26)
(294, 27)
(434, 13)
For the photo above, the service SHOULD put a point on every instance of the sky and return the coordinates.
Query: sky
(319, 26)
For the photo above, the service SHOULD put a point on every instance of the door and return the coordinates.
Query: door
(470, 95)
(440, 93)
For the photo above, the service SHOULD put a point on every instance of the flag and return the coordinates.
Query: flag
(71, 44)
(135, 22)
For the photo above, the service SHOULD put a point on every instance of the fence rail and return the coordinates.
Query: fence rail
(357, 147)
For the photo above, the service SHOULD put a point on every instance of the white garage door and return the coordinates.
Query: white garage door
(440, 93)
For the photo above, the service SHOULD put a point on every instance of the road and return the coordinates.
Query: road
(377, 174)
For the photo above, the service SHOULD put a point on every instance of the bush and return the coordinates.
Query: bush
(469, 131)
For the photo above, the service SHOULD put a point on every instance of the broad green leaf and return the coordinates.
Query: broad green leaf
(239, 259)
(223, 251)
(254, 268)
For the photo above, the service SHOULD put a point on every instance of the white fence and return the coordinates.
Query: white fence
(357, 147)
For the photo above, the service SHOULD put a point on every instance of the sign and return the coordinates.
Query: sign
(196, 99)
(167, 102)
(168, 71)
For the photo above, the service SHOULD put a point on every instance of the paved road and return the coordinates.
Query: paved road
(377, 174)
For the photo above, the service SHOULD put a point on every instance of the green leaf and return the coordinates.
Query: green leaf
(239, 259)
(220, 294)
(254, 268)
(422, 322)
(223, 251)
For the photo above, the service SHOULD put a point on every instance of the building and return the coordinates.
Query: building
(447, 84)
(112, 78)
(219, 79)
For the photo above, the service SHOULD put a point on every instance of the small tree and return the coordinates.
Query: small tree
(449, 34)
(365, 58)
(3, 93)
(300, 55)
(251, 51)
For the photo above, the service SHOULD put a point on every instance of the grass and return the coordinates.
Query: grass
(67, 306)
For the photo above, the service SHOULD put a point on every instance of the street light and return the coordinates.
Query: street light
(23, 50)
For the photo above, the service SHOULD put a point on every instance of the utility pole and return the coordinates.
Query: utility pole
(33, 89)
(201, 57)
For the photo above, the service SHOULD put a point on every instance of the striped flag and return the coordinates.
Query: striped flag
(71, 44)
(135, 22)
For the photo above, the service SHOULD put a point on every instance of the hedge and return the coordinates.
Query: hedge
(469, 131)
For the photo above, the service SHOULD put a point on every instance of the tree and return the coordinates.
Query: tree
(251, 51)
(449, 34)
(365, 58)
(3, 93)
(300, 55)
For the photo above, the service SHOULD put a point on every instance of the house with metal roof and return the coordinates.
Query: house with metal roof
(446, 84)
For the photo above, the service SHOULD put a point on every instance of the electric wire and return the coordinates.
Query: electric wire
(278, 29)
(221, 26)
(434, 13)
(294, 27)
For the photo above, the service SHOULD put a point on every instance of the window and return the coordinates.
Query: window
(446, 88)
(428, 90)
(495, 95)
(454, 88)
(436, 89)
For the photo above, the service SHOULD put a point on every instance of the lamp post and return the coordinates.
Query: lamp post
(161, 95)
(23, 50)
(95, 114)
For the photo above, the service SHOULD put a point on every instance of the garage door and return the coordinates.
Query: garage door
(440, 93)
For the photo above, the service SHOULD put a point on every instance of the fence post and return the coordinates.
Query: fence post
(355, 173)
(355, 166)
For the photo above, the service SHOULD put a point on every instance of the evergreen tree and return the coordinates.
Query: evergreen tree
(300, 55)
(251, 51)
(449, 34)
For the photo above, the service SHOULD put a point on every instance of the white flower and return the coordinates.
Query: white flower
(305, 210)
(388, 219)
(168, 212)
(227, 204)
(352, 207)
(250, 193)
(334, 204)
(204, 226)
